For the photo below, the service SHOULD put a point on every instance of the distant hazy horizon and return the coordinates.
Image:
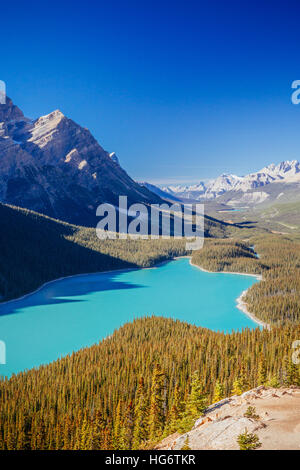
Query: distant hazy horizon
(191, 181)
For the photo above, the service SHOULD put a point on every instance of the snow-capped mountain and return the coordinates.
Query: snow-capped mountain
(56, 167)
(186, 192)
(285, 172)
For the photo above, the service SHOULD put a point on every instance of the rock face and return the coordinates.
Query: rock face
(55, 167)
(277, 423)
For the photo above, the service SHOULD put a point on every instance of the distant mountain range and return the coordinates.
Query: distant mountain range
(164, 194)
(268, 183)
(56, 167)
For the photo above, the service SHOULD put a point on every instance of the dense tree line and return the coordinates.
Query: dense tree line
(276, 299)
(151, 378)
(154, 376)
(36, 249)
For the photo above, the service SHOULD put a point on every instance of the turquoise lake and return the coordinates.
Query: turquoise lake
(68, 314)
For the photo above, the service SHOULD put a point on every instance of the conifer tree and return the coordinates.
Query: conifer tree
(273, 382)
(140, 433)
(85, 435)
(67, 434)
(248, 441)
(262, 372)
(157, 401)
(97, 430)
(244, 378)
(10, 439)
(117, 437)
(186, 445)
(218, 392)
(107, 437)
(127, 428)
(237, 387)
(196, 402)
(292, 376)
(176, 411)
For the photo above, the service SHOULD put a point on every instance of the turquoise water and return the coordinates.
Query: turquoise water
(68, 314)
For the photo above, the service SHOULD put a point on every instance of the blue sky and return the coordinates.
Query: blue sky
(180, 90)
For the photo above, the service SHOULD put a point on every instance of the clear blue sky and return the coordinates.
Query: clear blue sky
(180, 90)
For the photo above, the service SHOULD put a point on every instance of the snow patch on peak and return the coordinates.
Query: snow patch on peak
(284, 172)
(44, 128)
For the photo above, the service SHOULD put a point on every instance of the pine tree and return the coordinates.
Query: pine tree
(237, 387)
(21, 440)
(186, 445)
(196, 403)
(273, 382)
(10, 439)
(244, 378)
(107, 437)
(85, 435)
(140, 433)
(176, 411)
(127, 428)
(23, 437)
(262, 372)
(117, 437)
(248, 441)
(157, 401)
(219, 392)
(97, 428)
(251, 413)
(67, 434)
(292, 376)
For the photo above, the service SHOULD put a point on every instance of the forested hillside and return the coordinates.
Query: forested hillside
(36, 249)
(150, 378)
(153, 376)
(276, 299)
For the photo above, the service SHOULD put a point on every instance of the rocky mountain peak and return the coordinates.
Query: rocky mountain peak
(56, 167)
(9, 112)
(54, 116)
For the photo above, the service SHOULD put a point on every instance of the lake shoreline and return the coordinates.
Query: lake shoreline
(241, 304)
(72, 340)
(89, 274)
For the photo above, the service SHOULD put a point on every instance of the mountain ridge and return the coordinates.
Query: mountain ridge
(287, 172)
(54, 166)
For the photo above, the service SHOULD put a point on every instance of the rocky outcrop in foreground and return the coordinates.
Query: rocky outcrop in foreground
(277, 423)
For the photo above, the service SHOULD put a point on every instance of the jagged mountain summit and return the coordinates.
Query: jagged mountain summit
(56, 167)
(287, 172)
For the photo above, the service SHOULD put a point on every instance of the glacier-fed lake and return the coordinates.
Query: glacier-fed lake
(71, 313)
